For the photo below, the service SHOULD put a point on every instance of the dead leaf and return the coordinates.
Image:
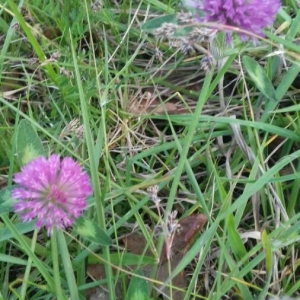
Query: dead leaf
(51, 33)
(97, 272)
(189, 228)
(179, 281)
(136, 243)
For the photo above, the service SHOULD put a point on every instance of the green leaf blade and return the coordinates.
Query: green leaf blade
(92, 232)
(138, 288)
(268, 251)
(259, 77)
(153, 24)
(235, 240)
(28, 144)
(6, 201)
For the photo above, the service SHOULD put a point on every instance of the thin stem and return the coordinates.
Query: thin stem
(170, 272)
(28, 267)
(55, 261)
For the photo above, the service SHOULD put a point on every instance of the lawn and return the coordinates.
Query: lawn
(149, 149)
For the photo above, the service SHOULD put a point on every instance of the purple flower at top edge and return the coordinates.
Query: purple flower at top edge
(52, 191)
(249, 15)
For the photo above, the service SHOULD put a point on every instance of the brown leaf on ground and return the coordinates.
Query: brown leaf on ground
(95, 272)
(51, 33)
(179, 281)
(136, 243)
(189, 228)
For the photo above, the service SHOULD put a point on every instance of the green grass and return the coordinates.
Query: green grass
(222, 143)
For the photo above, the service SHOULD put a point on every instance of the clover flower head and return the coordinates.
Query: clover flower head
(52, 191)
(248, 15)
